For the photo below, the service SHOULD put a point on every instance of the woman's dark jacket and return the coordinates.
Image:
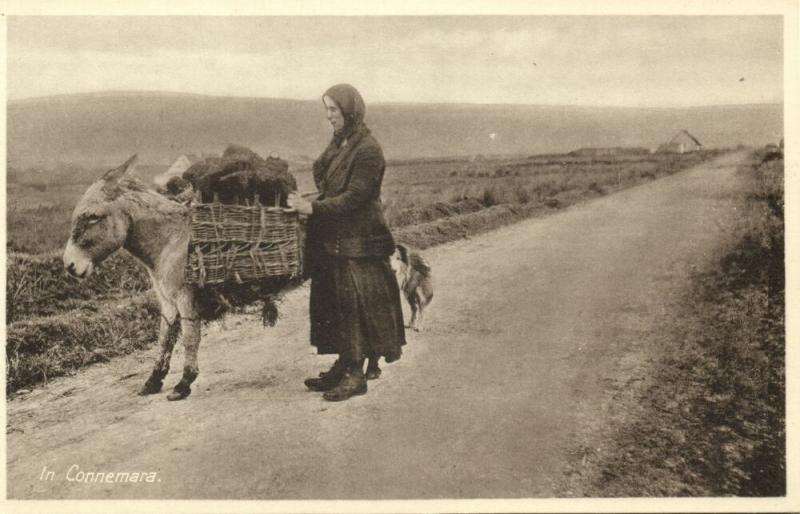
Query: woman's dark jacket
(347, 219)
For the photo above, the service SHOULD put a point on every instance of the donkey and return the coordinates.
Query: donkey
(117, 212)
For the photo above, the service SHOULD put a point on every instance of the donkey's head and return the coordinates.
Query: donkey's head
(99, 223)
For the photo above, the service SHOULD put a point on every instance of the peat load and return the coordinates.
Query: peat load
(246, 243)
(240, 176)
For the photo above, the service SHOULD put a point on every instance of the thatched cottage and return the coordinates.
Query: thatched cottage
(683, 142)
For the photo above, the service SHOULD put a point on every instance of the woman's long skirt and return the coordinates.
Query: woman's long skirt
(355, 308)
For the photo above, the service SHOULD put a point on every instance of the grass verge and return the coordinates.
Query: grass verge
(42, 348)
(710, 420)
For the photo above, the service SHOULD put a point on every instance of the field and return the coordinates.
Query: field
(57, 324)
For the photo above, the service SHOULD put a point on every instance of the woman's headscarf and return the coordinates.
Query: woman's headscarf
(353, 109)
(352, 106)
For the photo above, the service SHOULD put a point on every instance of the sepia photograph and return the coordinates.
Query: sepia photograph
(381, 260)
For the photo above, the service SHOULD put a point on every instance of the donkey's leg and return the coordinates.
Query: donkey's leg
(167, 335)
(190, 336)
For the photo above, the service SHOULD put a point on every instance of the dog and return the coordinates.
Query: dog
(414, 278)
(413, 275)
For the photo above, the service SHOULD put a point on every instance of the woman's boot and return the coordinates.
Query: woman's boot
(352, 383)
(373, 371)
(327, 379)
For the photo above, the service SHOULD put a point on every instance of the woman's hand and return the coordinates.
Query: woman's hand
(300, 204)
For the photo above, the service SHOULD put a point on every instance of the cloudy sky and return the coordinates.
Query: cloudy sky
(585, 60)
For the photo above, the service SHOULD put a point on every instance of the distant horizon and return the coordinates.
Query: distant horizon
(603, 61)
(109, 126)
(156, 92)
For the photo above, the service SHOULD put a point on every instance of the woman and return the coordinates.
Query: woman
(355, 301)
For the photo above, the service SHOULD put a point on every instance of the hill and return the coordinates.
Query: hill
(104, 128)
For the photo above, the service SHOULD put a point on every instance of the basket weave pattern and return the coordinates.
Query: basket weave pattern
(240, 243)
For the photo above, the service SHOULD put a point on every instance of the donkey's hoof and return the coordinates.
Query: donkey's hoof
(181, 391)
(177, 395)
(150, 387)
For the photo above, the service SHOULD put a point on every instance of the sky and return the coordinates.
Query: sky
(658, 61)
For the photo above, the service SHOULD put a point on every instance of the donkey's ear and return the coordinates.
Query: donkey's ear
(117, 173)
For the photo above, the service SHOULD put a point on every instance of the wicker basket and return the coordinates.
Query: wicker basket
(240, 243)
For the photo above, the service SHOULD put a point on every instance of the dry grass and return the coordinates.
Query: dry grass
(42, 348)
(37, 285)
(414, 186)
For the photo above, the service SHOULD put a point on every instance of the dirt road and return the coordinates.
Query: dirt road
(528, 326)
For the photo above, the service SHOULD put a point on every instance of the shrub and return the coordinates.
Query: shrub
(523, 195)
(490, 197)
(596, 188)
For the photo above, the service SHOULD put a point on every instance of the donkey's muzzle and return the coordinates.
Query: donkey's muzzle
(76, 262)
